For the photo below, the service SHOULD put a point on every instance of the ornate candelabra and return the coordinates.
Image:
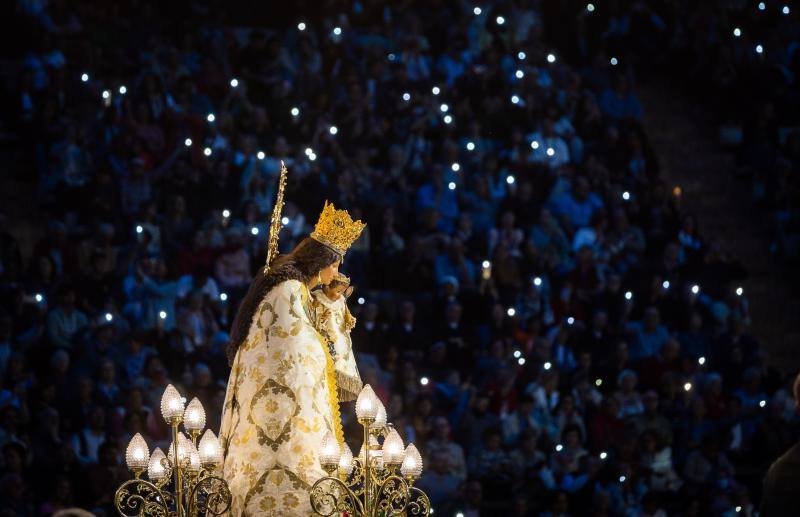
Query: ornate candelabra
(380, 481)
(182, 483)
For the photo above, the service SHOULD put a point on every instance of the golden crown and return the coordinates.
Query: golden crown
(336, 229)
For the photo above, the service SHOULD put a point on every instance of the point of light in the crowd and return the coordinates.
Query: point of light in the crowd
(361, 300)
(451, 185)
(517, 354)
(521, 55)
(435, 90)
(477, 11)
(786, 10)
(628, 295)
(211, 117)
(309, 151)
(500, 20)
(109, 316)
(738, 509)
(622, 479)
(570, 321)
(603, 455)
(312, 157)
(226, 213)
(207, 151)
(391, 56)
(187, 142)
(223, 297)
(737, 32)
(84, 77)
(443, 108)
(234, 82)
(695, 289)
(254, 230)
(759, 49)
(455, 167)
(534, 144)
(559, 447)
(106, 94)
(284, 220)
(519, 74)
(511, 311)
(614, 61)
(762, 6)
(665, 284)
(139, 228)
(301, 26)
(337, 31)
(295, 111)
(261, 155)
(486, 264)
(510, 179)
(521, 361)
(547, 365)
(470, 146)
(447, 119)
(687, 386)
(38, 297)
(551, 58)
(590, 8)
(598, 382)
(626, 195)
(123, 90)
(550, 152)
(739, 291)
(537, 281)
(701, 360)
(762, 403)
(514, 99)
(162, 315)
(424, 381)
(333, 130)
(406, 96)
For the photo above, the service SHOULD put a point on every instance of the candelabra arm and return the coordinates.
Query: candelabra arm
(178, 470)
(331, 496)
(140, 498)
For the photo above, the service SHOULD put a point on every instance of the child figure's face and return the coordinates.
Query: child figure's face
(335, 291)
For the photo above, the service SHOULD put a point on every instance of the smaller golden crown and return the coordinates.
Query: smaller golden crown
(336, 229)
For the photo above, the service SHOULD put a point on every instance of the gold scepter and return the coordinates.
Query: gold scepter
(276, 223)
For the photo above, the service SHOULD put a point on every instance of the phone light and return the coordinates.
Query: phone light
(361, 300)
(521, 55)
(284, 220)
(695, 289)
(106, 94)
(762, 403)
(162, 315)
(510, 179)
(547, 365)
(537, 281)
(226, 213)
(590, 8)
(737, 32)
(455, 167)
(486, 264)
(109, 317)
(223, 297)
(424, 381)
(550, 152)
(448, 119)
(762, 6)
(337, 31)
(470, 146)
(477, 11)
(301, 26)
(406, 96)
(759, 49)
(435, 90)
(622, 479)
(534, 145)
(519, 74)
(139, 228)
(514, 99)
(570, 321)
(260, 155)
(207, 151)
(443, 108)
(521, 361)
(254, 230)
(603, 455)
(511, 311)
(626, 195)
(333, 130)
(312, 157)
(786, 10)
(451, 185)
(665, 284)
(687, 386)
(551, 58)
(391, 56)
(517, 354)
(614, 61)
(295, 111)
(628, 295)
(500, 20)
(234, 82)
(38, 297)
(84, 77)
(309, 151)
(211, 117)
(559, 447)
(701, 361)
(187, 142)
(739, 291)
(598, 382)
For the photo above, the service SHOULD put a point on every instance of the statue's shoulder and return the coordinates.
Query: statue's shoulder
(288, 287)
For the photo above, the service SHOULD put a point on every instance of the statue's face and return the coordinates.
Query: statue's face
(329, 273)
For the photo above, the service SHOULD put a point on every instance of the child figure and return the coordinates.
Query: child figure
(334, 322)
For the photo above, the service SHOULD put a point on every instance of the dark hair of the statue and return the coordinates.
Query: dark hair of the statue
(304, 262)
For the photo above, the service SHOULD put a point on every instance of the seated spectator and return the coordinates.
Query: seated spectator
(648, 335)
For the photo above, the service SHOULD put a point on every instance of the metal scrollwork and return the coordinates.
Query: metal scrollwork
(330, 496)
(210, 496)
(418, 503)
(139, 498)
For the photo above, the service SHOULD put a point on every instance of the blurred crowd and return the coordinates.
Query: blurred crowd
(537, 312)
